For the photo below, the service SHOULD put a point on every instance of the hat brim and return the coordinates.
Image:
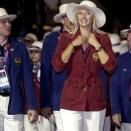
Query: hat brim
(28, 39)
(124, 33)
(100, 17)
(11, 17)
(35, 47)
(57, 18)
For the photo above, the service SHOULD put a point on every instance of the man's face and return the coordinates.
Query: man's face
(129, 39)
(66, 22)
(5, 27)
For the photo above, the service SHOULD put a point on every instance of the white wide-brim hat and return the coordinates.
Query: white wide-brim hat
(57, 18)
(72, 8)
(115, 38)
(4, 15)
(11, 17)
(115, 41)
(62, 12)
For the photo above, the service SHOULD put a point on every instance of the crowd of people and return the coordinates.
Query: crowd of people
(78, 78)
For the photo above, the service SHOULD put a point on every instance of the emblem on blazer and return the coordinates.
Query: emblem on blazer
(95, 57)
(18, 60)
(124, 69)
(11, 49)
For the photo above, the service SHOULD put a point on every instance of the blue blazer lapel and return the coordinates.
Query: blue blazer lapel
(11, 55)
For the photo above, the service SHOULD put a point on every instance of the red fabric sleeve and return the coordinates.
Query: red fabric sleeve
(110, 65)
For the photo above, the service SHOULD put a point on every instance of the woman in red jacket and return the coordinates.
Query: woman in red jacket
(83, 55)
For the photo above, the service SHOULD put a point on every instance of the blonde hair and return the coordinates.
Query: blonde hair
(95, 28)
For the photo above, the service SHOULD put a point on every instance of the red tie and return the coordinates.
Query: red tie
(37, 88)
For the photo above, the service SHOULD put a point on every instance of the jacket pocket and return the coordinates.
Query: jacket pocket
(71, 91)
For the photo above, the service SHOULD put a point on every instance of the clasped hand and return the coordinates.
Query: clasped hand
(90, 39)
(117, 119)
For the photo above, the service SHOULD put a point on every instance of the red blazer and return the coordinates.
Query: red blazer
(83, 87)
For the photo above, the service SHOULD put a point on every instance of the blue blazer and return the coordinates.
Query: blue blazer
(51, 82)
(20, 77)
(119, 90)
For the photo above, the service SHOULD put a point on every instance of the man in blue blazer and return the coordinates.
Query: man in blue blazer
(16, 82)
(52, 82)
(120, 87)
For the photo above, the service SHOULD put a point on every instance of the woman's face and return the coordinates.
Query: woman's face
(84, 18)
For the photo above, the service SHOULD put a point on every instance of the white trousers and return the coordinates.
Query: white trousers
(125, 127)
(41, 124)
(58, 121)
(82, 121)
(107, 124)
(10, 122)
(52, 123)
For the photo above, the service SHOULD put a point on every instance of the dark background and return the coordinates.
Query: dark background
(34, 14)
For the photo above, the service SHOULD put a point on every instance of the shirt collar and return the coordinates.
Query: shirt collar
(3, 42)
